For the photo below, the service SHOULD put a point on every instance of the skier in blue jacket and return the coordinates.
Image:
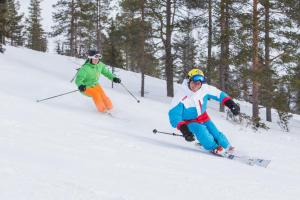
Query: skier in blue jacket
(188, 112)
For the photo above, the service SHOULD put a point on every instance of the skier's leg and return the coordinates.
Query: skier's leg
(107, 102)
(220, 138)
(203, 135)
(95, 94)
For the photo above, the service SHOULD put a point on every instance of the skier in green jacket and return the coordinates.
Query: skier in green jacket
(87, 80)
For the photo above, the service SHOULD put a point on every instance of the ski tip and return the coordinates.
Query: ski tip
(264, 163)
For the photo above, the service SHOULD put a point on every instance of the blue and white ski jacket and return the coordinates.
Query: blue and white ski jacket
(188, 106)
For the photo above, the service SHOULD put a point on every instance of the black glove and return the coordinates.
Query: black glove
(116, 80)
(82, 88)
(187, 134)
(234, 108)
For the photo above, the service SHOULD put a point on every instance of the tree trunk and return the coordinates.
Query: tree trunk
(113, 56)
(72, 31)
(76, 38)
(269, 87)
(168, 51)
(98, 26)
(142, 46)
(255, 63)
(227, 43)
(209, 44)
(222, 65)
(3, 20)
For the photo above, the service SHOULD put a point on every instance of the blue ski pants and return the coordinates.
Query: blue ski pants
(208, 135)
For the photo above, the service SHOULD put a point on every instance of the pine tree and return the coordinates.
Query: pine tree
(66, 19)
(141, 43)
(15, 28)
(36, 38)
(291, 9)
(3, 21)
(255, 60)
(138, 49)
(129, 26)
(210, 67)
(295, 85)
(86, 30)
(112, 54)
(164, 13)
(58, 48)
(185, 49)
(267, 65)
(82, 23)
(101, 13)
(224, 46)
(282, 103)
(207, 18)
(290, 57)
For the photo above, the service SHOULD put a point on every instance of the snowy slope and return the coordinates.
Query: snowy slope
(63, 149)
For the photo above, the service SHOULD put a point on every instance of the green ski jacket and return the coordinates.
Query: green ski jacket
(89, 74)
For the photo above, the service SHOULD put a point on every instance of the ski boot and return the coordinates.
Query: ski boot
(220, 151)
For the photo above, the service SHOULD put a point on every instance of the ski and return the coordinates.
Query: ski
(251, 161)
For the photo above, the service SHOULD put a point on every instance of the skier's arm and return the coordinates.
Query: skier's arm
(81, 75)
(106, 72)
(222, 97)
(216, 94)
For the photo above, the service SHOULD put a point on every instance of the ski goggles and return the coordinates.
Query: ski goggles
(96, 56)
(197, 78)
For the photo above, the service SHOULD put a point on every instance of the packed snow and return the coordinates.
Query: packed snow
(63, 148)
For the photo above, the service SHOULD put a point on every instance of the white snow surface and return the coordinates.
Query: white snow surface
(63, 149)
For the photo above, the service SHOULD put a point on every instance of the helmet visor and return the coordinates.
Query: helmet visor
(197, 78)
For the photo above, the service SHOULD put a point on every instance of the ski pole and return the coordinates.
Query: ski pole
(57, 96)
(174, 134)
(130, 93)
(75, 75)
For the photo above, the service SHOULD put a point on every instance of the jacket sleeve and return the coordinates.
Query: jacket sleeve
(216, 94)
(106, 72)
(80, 77)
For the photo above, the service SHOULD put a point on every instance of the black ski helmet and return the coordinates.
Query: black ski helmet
(94, 54)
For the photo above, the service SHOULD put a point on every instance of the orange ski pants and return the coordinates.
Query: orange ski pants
(100, 99)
